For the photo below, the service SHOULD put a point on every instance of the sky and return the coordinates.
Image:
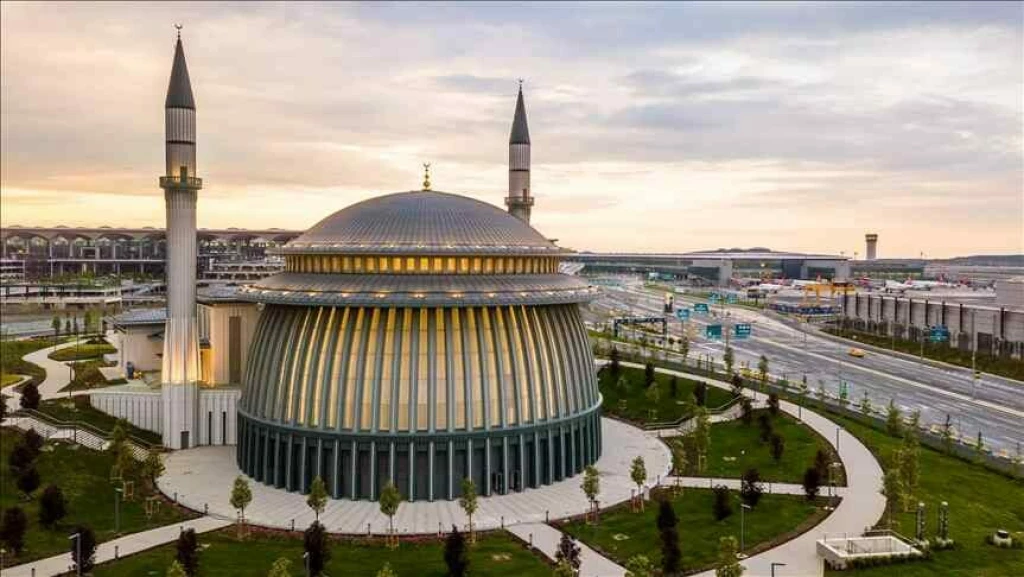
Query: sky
(654, 127)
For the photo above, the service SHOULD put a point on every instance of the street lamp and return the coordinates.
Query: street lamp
(77, 538)
(831, 477)
(305, 562)
(743, 507)
(774, 565)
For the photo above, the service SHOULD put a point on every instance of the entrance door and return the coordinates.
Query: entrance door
(184, 440)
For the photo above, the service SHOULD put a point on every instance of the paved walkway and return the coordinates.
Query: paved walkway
(57, 376)
(545, 538)
(202, 477)
(121, 547)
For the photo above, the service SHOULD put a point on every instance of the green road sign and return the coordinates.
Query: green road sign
(713, 332)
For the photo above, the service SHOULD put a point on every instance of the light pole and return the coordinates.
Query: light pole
(117, 509)
(305, 562)
(743, 507)
(77, 538)
(774, 565)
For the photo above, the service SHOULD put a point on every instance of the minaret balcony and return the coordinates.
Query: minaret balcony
(519, 200)
(188, 182)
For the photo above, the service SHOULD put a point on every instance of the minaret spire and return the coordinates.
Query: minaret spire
(519, 200)
(180, 363)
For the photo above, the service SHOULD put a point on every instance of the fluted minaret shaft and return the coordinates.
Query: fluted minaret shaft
(520, 198)
(180, 364)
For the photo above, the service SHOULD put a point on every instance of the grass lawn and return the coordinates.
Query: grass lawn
(87, 375)
(11, 352)
(635, 403)
(8, 380)
(83, 351)
(79, 409)
(620, 534)
(980, 501)
(84, 477)
(736, 447)
(497, 555)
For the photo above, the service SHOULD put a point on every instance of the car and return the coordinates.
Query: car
(857, 353)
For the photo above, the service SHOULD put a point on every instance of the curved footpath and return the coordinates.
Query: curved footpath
(57, 376)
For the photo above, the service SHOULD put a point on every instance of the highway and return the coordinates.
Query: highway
(996, 407)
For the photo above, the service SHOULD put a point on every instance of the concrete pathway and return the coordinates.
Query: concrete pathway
(201, 479)
(734, 484)
(57, 376)
(545, 538)
(120, 547)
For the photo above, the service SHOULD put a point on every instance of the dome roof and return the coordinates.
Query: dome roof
(422, 222)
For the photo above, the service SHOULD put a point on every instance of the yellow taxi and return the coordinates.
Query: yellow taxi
(857, 353)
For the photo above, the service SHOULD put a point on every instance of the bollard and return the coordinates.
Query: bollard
(531, 540)
(117, 552)
(175, 497)
(206, 508)
(502, 521)
(438, 528)
(658, 483)
(367, 529)
(293, 524)
(547, 516)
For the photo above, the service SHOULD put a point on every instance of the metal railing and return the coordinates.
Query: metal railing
(81, 432)
(180, 182)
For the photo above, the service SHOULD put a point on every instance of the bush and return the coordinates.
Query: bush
(778, 446)
(668, 531)
(21, 458)
(83, 549)
(316, 546)
(28, 480)
(455, 557)
(568, 552)
(30, 396)
(13, 527)
(700, 394)
(34, 441)
(812, 483)
(187, 552)
(747, 408)
(764, 421)
(773, 404)
(52, 506)
(750, 489)
(722, 505)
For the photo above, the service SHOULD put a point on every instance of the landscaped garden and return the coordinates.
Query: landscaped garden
(743, 444)
(642, 396)
(980, 502)
(92, 349)
(83, 477)
(622, 533)
(222, 553)
(12, 351)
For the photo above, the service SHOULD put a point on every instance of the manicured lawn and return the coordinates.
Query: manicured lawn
(84, 477)
(736, 447)
(497, 555)
(83, 351)
(8, 380)
(79, 409)
(634, 402)
(11, 352)
(620, 534)
(980, 501)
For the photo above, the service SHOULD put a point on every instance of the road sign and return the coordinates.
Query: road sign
(713, 332)
(683, 314)
(742, 330)
(701, 308)
(939, 334)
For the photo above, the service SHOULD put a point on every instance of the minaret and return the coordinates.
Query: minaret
(181, 337)
(519, 200)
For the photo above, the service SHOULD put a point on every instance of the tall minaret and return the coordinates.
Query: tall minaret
(181, 337)
(519, 200)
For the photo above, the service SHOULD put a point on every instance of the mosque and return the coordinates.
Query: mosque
(420, 337)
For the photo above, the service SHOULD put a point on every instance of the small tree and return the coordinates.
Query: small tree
(728, 358)
(773, 404)
(812, 483)
(455, 554)
(893, 419)
(700, 394)
(317, 498)
(176, 570)
(746, 411)
(30, 397)
(778, 446)
(909, 467)
(762, 371)
(13, 527)
(52, 506)
(568, 552)
(639, 566)
(892, 488)
(34, 441)
(614, 367)
(737, 385)
(317, 549)
(750, 487)
(722, 505)
(469, 504)
(152, 468)
(947, 435)
(680, 460)
(865, 404)
(67, 325)
(638, 473)
(728, 565)
(241, 496)
(591, 486)
(390, 499)
(648, 374)
(702, 438)
(386, 571)
(767, 427)
(187, 551)
(83, 549)
(979, 447)
(28, 481)
(684, 347)
(55, 323)
(822, 462)
(21, 458)
(280, 568)
(673, 386)
(668, 531)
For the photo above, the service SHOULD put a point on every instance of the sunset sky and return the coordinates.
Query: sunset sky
(655, 127)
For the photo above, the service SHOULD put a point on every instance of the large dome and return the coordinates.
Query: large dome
(420, 221)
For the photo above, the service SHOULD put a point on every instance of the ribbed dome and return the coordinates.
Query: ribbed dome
(418, 221)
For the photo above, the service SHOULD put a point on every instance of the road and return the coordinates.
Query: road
(996, 407)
